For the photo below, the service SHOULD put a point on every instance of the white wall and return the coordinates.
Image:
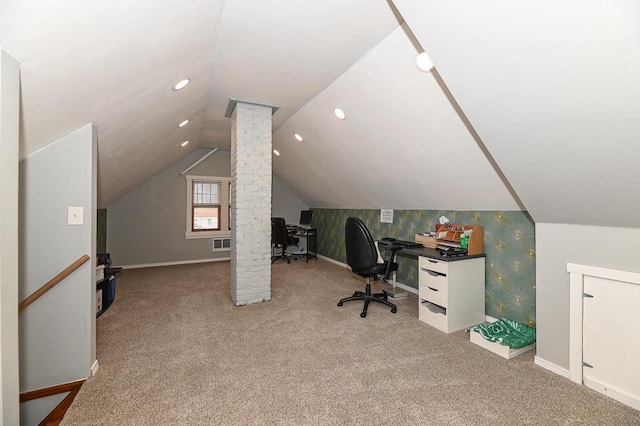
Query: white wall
(147, 226)
(57, 332)
(9, 107)
(556, 245)
(285, 203)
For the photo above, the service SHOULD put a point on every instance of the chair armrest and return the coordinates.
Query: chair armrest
(393, 248)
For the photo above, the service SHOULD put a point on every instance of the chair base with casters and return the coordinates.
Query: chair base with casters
(368, 297)
(281, 237)
(282, 256)
(362, 257)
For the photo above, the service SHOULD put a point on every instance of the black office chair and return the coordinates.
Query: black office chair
(362, 256)
(281, 238)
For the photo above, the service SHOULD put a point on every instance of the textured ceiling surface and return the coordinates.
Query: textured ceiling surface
(403, 144)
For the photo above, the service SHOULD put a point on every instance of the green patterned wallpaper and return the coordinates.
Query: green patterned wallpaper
(101, 231)
(509, 245)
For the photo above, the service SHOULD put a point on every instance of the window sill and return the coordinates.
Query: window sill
(207, 234)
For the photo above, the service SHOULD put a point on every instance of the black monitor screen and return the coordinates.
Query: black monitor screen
(305, 217)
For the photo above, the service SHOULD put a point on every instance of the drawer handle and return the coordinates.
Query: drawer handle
(434, 273)
(432, 289)
(432, 261)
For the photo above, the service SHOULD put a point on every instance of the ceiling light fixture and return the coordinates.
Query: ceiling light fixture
(297, 136)
(275, 151)
(424, 62)
(340, 113)
(181, 84)
(184, 143)
(184, 123)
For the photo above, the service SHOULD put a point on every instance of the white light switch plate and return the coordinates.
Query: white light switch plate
(74, 216)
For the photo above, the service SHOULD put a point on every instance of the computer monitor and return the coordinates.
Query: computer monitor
(305, 217)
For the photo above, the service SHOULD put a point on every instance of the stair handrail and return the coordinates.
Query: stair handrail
(52, 282)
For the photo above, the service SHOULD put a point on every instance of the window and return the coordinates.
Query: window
(208, 207)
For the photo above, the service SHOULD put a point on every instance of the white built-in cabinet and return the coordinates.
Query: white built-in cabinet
(604, 343)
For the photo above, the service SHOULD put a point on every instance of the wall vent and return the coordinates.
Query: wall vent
(221, 244)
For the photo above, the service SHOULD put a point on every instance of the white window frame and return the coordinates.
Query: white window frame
(225, 205)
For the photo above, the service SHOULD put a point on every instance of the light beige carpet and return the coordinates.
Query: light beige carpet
(173, 350)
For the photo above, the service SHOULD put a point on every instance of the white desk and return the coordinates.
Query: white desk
(450, 290)
(308, 244)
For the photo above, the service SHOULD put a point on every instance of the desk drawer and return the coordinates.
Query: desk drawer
(433, 315)
(439, 297)
(433, 279)
(433, 265)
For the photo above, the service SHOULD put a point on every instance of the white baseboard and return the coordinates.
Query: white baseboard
(551, 367)
(328, 259)
(344, 265)
(407, 288)
(487, 318)
(94, 368)
(182, 262)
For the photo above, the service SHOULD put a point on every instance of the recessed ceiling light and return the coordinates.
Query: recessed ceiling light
(184, 123)
(184, 143)
(297, 136)
(424, 62)
(340, 113)
(275, 151)
(181, 84)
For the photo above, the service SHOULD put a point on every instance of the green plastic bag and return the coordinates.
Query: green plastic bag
(507, 333)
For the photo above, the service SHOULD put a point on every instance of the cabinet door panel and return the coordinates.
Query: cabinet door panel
(610, 338)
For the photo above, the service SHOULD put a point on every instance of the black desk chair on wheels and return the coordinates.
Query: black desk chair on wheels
(281, 238)
(362, 256)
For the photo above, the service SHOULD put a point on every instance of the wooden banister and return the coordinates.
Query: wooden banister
(52, 282)
(51, 390)
(56, 415)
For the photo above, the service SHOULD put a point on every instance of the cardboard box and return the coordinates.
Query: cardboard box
(99, 272)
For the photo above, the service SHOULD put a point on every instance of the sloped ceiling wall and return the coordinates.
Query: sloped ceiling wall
(552, 89)
(114, 64)
(401, 146)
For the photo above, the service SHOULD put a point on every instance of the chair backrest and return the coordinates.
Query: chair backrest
(361, 250)
(278, 231)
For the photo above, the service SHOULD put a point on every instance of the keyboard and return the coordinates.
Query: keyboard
(401, 243)
(408, 243)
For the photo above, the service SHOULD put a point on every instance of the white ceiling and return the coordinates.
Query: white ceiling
(402, 145)
(550, 88)
(115, 63)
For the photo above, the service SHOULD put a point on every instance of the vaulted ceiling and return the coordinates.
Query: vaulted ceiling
(552, 89)
(530, 107)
